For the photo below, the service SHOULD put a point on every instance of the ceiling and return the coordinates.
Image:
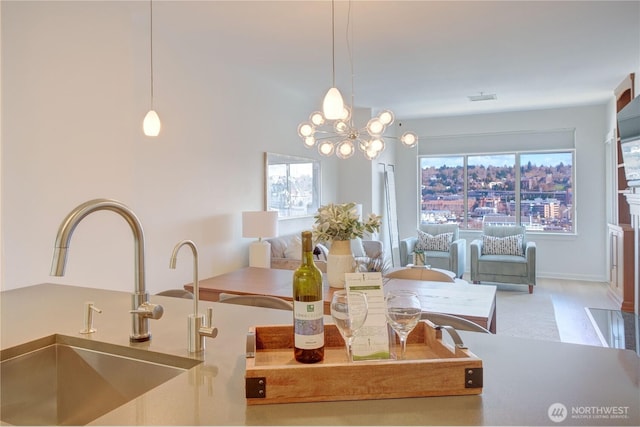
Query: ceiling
(423, 58)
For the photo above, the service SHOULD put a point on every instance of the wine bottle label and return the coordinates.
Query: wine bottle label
(308, 324)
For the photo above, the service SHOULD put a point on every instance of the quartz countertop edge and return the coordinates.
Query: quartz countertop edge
(523, 377)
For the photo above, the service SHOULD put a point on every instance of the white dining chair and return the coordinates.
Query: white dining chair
(426, 274)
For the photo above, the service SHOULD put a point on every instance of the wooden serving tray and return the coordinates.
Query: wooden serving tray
(432, 368)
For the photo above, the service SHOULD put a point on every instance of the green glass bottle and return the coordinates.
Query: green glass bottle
(308, 307)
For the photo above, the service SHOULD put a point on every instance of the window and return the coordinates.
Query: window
(292, 185)
(491, 183)
(442, 189)
(533, 189)
(546, 192)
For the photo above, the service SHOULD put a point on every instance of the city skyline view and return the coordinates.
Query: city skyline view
(538, 195)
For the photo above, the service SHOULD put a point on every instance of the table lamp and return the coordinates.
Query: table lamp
(260, 224)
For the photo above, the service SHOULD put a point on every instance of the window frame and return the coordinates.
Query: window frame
(464, 224)
(273, 159)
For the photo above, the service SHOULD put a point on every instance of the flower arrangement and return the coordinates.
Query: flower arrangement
(340, 222)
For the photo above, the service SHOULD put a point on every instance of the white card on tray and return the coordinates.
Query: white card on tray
(372, 340)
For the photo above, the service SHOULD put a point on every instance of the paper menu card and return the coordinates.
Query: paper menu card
(372, 340)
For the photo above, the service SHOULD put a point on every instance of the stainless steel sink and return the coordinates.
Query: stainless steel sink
(62, 380)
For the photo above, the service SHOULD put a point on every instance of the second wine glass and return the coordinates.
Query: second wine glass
(349, 311)
(403, 313)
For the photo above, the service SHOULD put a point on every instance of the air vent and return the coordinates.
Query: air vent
(483, 97)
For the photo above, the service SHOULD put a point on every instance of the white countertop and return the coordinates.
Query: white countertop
(522, 378)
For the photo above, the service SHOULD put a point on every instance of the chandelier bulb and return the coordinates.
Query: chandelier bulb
(341, 127)
(375, 127)
(409, 139)
(151, 124)
(326, 148)
(316, 118)
(386, 117)
(305, 130)
(371, 154)
(345, 149)
(377, 144)
(333, 104)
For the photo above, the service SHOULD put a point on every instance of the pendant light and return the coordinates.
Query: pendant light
(151, 124)
(333, 103)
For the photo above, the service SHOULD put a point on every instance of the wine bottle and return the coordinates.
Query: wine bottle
(308, 307)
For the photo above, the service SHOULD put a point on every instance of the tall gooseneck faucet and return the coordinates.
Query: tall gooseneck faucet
(141, 309)
(199, 327)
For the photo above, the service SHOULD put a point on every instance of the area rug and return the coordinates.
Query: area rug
(520, 314)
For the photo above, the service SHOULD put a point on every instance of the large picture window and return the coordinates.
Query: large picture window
(534, 189)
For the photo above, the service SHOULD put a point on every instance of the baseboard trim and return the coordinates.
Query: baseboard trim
(578, 277)
(559, 276)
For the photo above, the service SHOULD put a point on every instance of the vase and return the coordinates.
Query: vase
(339, 261)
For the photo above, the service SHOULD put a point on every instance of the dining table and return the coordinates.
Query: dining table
(476, 303)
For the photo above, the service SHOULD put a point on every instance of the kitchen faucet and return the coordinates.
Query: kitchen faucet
(141, 309)
(199, 328)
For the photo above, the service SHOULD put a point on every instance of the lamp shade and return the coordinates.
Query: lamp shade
(259, 224)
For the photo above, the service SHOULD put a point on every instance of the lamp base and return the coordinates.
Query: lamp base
(260, 254)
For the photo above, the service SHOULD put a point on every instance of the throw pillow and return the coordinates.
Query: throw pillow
(294, 250)
(509, 245)
(427, 242)
(357, 248)
(278, 246)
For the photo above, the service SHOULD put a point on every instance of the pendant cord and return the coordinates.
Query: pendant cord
(333, 42)
(151, 46)
(349, 37)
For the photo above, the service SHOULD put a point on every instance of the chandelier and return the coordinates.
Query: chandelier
(333, 130)
(341, 136)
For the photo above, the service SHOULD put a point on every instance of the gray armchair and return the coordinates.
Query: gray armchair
(499, 256)
(452, 260)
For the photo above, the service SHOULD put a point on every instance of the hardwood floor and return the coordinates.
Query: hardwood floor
(570, 298)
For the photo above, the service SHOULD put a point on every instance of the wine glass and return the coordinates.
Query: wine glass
(349, 311)
(403, 313)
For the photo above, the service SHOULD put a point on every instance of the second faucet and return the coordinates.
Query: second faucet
(199, 327)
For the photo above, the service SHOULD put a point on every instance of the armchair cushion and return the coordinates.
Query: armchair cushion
(428, 242)
(452, 259)
(504, 255)
(509, 245)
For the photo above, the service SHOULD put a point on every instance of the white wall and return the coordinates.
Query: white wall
(1, 239)
(582, 256)
(75, 87)
(75, 80)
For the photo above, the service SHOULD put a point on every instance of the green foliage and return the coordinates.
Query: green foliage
(340, 222)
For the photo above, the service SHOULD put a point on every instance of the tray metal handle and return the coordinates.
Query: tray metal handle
(454, 335)
(251, 345)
